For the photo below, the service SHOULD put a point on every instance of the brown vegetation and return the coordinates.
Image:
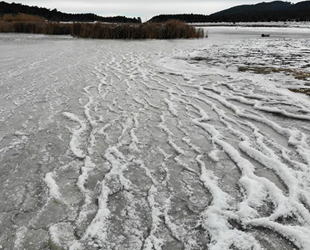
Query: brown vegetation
(301, 90)
(57, 29)
(36, 28)
(167, 30)
(28, 27)
(22, 18)
(22, 23)
(300, 75)
(6, 27)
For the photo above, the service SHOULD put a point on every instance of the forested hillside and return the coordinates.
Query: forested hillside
(55, 15)
(261, 12)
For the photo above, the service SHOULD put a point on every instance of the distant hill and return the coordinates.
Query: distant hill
(273, 11)
(54, 15)
(254, 8)
(261, 12)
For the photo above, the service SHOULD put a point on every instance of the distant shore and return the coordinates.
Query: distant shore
(290, 24)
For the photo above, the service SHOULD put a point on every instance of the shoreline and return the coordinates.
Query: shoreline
(305, 25)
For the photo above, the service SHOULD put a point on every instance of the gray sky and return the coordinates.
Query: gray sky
(133, 8)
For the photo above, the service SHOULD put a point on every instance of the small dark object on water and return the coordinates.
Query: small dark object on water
(265, 35)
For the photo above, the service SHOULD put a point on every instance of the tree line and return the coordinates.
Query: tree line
(57, 16)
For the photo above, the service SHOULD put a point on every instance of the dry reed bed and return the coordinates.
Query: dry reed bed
(167, 30)
(36, 28)
(21, 17)
(23, 23)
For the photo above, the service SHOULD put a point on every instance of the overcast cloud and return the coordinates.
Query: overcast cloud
(143, 8)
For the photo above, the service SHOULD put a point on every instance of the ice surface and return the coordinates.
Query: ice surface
(195, 144)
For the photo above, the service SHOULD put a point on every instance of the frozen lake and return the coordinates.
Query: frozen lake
(182, 144)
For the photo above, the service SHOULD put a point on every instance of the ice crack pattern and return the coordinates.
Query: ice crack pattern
(153, 144)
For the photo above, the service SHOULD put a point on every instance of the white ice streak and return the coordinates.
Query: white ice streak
(189, 143)
(297, 234)
(153, 242)
(176, 148)
(134, 139)
(61, 235)
(97, 230)
(171, 107)
(295, 137)
(87, 107)
(256, 188)
(283, 112)
(76, 143)
(52, 186)
(214, 155)
(87, 168)
(215, 217)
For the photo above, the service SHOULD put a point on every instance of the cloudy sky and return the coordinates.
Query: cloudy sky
(133, 8)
